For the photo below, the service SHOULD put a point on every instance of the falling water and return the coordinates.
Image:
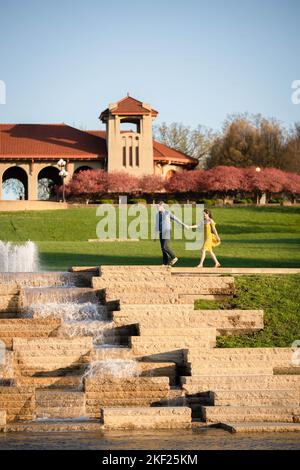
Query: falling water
(18, 258)
(112, 368)
(87, 311)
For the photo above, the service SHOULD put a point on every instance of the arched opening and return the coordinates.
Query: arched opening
(48, 178)
(15, 184)
(130, 125)
(82, 168)
(169, 174)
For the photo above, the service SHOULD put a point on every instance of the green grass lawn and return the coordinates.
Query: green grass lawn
(278, 296)
(251, 237)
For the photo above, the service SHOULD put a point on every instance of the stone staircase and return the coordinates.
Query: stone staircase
(155, 363)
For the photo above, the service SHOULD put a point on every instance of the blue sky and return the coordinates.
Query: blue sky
(195, 61)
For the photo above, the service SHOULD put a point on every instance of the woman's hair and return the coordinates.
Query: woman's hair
(208, 213)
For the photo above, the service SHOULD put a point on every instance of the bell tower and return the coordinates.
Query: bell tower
(129, 150)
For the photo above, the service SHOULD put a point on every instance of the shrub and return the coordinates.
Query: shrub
(245, 200)
(207, 202)
(137, 201)
(106, 201)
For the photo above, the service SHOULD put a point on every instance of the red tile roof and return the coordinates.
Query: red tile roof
(128, 106)
(52, 141)
(163, 153)
(46, 141)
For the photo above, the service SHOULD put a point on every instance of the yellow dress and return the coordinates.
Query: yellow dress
(210, 239)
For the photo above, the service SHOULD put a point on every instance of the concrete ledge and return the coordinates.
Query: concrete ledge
(200, 384)
(255, 397)
(7, 206)
(55, 426)
(254, 413)
(147, 418)
(234, 271)
(260, 427)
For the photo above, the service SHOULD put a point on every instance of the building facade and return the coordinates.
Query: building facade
(30, 152)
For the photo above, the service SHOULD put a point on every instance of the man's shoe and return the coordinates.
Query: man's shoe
(173, 261)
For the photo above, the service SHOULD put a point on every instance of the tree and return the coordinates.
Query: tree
(88, 183)
(249, 140)
(268, 180)
(121, 182)
(194, 142)
(292, 154)
(292, 185)
(185, 181)
(151, 184)
(224, 180)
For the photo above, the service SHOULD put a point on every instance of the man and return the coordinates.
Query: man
(163, 227)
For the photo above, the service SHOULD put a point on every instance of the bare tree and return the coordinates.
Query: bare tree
(194, 142)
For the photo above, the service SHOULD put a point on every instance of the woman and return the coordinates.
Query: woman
(211, 239)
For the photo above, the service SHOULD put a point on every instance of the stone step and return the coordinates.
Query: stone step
(59, 404)
(215, 286)
(45, 279)
(157, 334)
(231, 271)
(53, 346)
(83, 424)
(146, 418)
(200, 384)
(221, 361)
(261, 427)
(159, 275)
(18, 402)
(255, 397)
(35, 296)
(211, 286)
(59, 412)
(131, 273)
(126, 384)
(184, 315)
(58, 397)
(238, 370)
(50, 354)
(27, 328)
(219, 414)
(62, 382)
(140, 297)
(168, 346)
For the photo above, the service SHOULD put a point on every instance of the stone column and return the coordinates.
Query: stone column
(1, 176)
(32, 183)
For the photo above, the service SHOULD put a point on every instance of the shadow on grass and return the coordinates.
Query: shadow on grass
(264, 241)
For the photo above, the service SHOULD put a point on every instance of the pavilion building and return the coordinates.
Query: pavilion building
(30, 152)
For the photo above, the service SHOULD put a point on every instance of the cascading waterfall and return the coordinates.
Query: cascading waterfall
(18, 258)
(81, 314)
(68, 311)
(112, 368)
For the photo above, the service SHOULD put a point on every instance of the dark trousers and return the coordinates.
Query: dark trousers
(167, 252)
